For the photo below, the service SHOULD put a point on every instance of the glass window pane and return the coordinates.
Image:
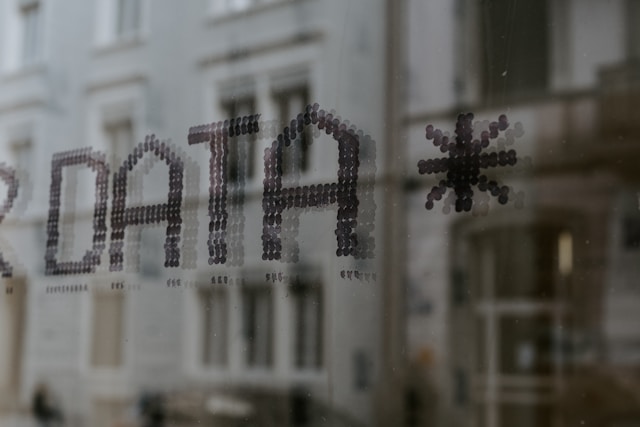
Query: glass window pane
(512, 414)
(526, 263)
(319, 212)
(215, 312)
(241, 148)
(481, 336)
(295, 157)
(515, 47)
(128, 17)
(30, 34)
(633, 29)
(308, 318)
(107, 336)
(526, 345)
(257, 306)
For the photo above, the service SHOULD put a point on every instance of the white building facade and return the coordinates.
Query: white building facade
(257, 337)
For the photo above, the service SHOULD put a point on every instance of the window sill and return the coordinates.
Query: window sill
(217, 17)
(489, 101)
(121, 44)
(256, 376)
(24, 71)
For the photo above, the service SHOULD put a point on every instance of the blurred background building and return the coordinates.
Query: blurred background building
(519, 316)
(249, 341)
(529, 317)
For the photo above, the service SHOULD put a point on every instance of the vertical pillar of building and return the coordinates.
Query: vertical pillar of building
(390, 394)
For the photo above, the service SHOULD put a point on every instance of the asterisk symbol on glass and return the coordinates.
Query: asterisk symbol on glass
(465, 161)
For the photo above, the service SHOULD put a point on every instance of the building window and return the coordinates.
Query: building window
(631, 233)
(12, 330)
(257, 310)
(526, 344)
(30, 16)
(362, 370)
(127, 17)
(119, 135)
(526, 415)
(119, 20)
(215, 315)
(108, 332)
(107, 412)
(307, 311)
(241, 157)
(519, 263)
(515, 48)
(518, 277)
(460, 387)
(21, 151)
(633, 17)
(295, 158)
(230, 6)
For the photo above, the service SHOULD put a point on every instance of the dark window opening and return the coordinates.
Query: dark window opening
(295, 158)
(258, 325)
(515, 48)
(240, 160)
(308, 342)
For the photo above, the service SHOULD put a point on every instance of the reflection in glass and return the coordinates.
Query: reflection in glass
(214, 306)
(257, 309)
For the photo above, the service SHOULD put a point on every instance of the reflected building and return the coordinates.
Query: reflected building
(529, 316)
(249, 340)
(503, 316)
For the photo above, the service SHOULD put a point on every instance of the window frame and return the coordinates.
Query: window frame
(244, 146)
(204, 294)
(15, 62)
(482, 315)
(491, 95)
(300, 298)
(299, 152)
(30, 41)
(120, 363)
(108, 34)
(224, 8)
(124, 9)
(268, 295)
